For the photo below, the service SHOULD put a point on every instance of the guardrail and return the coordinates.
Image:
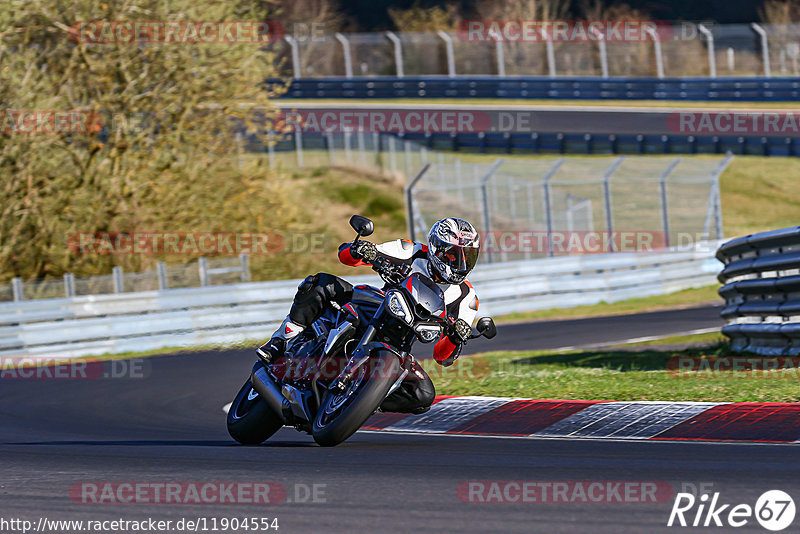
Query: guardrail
(98, 324)
(748, 88)
(762, 292)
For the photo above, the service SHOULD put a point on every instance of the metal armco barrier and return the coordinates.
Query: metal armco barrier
(749, 88)
(762, 292)
(98, 324)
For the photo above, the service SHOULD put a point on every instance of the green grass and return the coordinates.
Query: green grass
(547, 102)
(630, 373)
(687, 297)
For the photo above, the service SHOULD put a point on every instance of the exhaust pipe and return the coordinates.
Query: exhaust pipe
(268, 389)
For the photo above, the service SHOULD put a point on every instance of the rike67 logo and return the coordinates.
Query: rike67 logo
(774, 510)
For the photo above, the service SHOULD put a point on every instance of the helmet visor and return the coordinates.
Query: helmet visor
(460, 258)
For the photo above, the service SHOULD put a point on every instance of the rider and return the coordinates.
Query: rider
(448, 258)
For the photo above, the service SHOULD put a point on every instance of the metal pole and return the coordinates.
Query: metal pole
(407, 150)
(271, 148)
(548, 205)
(398, 52)
(161, 270)
(731, 59)
(348, 60)
(551, 57)
(16, 289)
(487, 220)
(244, 259)
(202, 267)
(116, 274)
(347, 142)
(69, 285)
(410, 199)
(764, 47)
(362, 152)
(295, 55)
(331, 159)
(712, 60)
(298, 146)
(393, 155)
(601, 43)
(501, 60)
(659, 57)
(662, 185)
(716, 194)
(448, 44)
(607, 199)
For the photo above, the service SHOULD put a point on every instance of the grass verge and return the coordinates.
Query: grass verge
(679, 299)
(628, 373)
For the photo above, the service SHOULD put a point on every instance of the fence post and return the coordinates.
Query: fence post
(329, 140)
(551, 56)
(712, 60)
(762, 33)
(298, 146)
(601, 44)
(407, 148)
(69, 285)
(362, 151)
(295, 55)
(501, 59)
(607, 198)
(202, 267)
(244, 259)
(271, 148)
(116, 274)
(662, 186)
(348, 60)
(393, 155)
(410, 199)
(714, 205)
(730, 54)
(398, 52)
(161, 271)
(657, 48)
(548, 207)
(487, 219)
(451, 61)
(16, 289)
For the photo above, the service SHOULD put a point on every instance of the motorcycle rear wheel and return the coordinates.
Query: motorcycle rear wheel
(250, 419)
(341, 414)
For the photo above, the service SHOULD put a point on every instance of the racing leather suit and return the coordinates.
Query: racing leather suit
(416, 393)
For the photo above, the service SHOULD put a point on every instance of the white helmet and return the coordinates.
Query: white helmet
(453, 248)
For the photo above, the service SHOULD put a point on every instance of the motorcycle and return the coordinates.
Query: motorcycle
(336, 374)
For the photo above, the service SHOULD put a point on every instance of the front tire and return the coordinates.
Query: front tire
(341, 414)
(250, 419)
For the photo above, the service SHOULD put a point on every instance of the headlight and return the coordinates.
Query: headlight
(399, 308)
(428, 332)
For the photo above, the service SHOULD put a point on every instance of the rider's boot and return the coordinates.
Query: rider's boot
(276, 346)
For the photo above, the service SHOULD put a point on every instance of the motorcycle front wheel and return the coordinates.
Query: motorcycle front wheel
(250, 419)
(342, 413)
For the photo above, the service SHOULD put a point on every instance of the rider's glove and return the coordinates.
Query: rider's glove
(460, 331)
(450, 360)
(364, 250)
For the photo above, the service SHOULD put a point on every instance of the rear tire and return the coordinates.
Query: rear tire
(250, 419)
(334, 425)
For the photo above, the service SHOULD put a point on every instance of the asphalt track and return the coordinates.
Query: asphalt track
(168, 426)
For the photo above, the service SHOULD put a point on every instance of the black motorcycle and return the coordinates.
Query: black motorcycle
(336, 374)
